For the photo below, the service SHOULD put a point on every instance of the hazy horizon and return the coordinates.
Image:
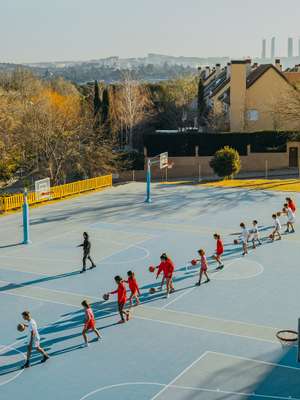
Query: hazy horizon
(69, 30)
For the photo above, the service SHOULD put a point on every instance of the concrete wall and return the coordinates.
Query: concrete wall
(194, 167)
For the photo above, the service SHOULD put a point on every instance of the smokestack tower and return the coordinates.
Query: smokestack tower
(264, 49)
(290, 47)
(273, 48)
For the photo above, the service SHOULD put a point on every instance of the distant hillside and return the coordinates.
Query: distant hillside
(86, 72)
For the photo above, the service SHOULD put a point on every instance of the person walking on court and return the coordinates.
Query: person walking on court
(86, 252)
(33, 339)
(291, 204)
(255, 234)
(122, 298)
(219, 251)
(276, 230)
(203, 268)
(89, 323)
(244, 236)
(290, 218)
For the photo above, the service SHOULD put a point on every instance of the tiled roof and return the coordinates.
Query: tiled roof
(220, 86)
(259, 71)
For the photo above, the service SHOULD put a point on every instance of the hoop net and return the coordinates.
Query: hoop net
(43, 189)
(287, 337)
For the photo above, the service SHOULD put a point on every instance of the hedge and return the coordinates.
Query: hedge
(183, 144)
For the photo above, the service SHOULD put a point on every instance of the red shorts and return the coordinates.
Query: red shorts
(90, 325)
(219, 253)
(134, 293)
(204, 268)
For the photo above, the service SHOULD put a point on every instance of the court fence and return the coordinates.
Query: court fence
(15, 201)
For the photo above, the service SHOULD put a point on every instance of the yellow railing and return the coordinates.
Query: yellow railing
(57, 192)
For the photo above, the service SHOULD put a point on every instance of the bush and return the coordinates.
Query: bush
(226, 162)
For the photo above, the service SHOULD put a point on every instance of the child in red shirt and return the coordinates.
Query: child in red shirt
(89, 323)
(291, 204)
(203, 269)
(134, 288)
(161, 269)
(219, 251)
(122, 298)
(167, 267)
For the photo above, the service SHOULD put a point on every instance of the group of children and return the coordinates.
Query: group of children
(246, 236)
(166, 268)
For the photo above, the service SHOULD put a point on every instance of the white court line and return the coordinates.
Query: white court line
(38, 299)
(147, 254)
(216, 332)
(216, 318)
(178, 376)
(253, 394)
(178, 297)
(117, 385)
(254, 360)
(216, 279)
(19, 372)
(191, 388)
(20, 286)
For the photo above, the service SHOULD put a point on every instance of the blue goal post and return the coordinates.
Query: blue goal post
(161, 160)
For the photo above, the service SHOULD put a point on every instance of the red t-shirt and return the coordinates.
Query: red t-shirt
(133, 286)
(220, 248)
(161, 268)
(169, 268)
(121, 293)
(292, 205)
(89, 319)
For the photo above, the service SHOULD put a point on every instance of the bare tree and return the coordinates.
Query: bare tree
(133, 106)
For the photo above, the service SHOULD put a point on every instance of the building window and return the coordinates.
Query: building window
(252, 115)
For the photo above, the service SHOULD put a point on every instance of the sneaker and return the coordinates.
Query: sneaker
(172, 290)
(26, 365)
(45, 358)
(198, 284)
(286, 231)
(83, 270)
(207, 280)
(221, 266)
(93, 266)
(122, 321)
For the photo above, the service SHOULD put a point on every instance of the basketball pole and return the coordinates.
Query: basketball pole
(298, 349)
(148, 191)
(25, 208)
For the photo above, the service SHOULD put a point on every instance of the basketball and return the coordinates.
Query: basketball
(21, 327)
(152, 290)
(151, 268)
(235, 241)
(105, 296)
(278, 213)
(194, 262)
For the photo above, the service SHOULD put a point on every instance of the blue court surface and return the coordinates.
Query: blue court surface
(216, 341)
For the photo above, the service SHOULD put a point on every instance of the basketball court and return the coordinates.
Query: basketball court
(216, 341)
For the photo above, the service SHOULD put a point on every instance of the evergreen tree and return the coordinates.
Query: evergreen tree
(201, 104)
(97, 100)
(105, 106)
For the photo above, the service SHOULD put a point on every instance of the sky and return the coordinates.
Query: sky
(58, 30)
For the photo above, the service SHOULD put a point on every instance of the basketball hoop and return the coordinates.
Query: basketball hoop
(287, 337)
(42, 189)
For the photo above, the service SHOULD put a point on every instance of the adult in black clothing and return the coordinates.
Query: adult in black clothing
(86, 252)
